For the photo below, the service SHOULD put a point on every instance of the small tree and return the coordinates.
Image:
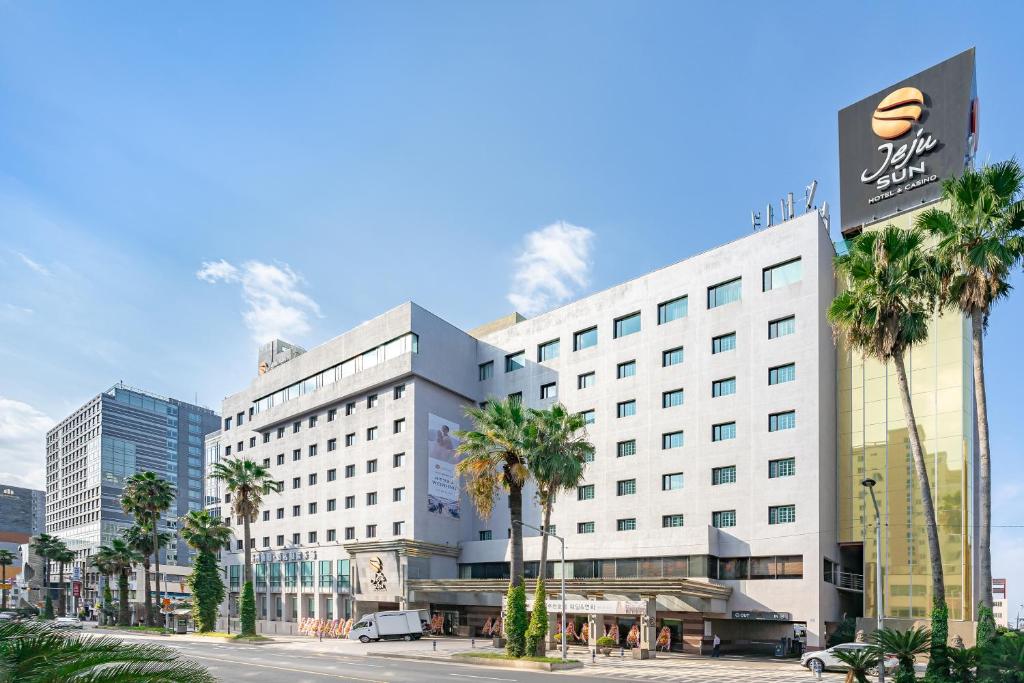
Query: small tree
(962, 664)
(515, 621)
(905, 646)
(48, 607)
(248, 610)
(859, 661)
(207, 591)
(537, 632)
(938, 662)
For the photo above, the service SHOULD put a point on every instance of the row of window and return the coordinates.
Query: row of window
(777, 514)
(782, 467)
(331, 536)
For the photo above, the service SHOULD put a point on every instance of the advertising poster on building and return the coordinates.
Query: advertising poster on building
(442, 484)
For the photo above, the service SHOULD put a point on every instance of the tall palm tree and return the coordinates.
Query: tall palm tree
(495, 457)
(208, 535)
(6, 560)
(63, 556)
(123, 558)
(205, 533)
(882, 313)
(43, 545)
(140, 537)
(101, 562)
(979, 240)
(147, 496)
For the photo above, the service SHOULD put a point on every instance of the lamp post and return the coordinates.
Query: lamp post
(543, 571)
(869, 484)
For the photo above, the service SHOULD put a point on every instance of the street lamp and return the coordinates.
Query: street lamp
(227, 601)
(869, 484)
(542, 571)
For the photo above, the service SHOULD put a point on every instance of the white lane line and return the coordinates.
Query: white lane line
(486, 678)
(286, 668)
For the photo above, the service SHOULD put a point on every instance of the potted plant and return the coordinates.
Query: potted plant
(605, 645)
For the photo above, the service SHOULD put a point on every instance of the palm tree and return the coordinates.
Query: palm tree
(140, 537)
(32, 653)
(208, 536)
(494, 457)
(123, 558)
(859, 662)
(43, 546)
(101, 562)
(6, 560)
(147, 496)
(62, 555)
(905, 646)
(1002, 659)
(979, 241)
(205, 533)
(248, 482)
(884, 312)
(963, 663)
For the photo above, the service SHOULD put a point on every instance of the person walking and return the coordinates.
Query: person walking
(716, 646)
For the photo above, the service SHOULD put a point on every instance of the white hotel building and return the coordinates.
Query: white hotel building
(710, 386)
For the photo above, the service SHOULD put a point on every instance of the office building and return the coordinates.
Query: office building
(22, 513)
(1001, 604)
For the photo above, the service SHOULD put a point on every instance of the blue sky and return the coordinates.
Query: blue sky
(331, 160)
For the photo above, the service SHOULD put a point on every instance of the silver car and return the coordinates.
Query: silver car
(828, 659)
(67, 622)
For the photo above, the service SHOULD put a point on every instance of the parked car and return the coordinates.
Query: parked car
(67, 622)
(830, 661)
(10, 616)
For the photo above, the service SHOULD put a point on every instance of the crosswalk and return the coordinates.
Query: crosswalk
(694, 670)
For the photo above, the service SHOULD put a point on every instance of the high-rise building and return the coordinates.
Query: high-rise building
(91, 453)
(21, 517)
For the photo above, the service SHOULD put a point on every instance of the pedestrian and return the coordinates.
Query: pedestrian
(716, 646)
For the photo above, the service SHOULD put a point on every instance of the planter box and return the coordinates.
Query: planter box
(498, 642)
(518, 663)
(638, 653)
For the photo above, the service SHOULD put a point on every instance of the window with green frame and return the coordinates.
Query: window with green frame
(344, 575)
(274, 574)
(307, 574)
(291, 574)
(325, 574)
(261, 574)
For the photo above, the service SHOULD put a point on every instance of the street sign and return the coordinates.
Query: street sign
(76, 589)
(76, 573)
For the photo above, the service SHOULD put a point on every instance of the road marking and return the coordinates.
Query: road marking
(286, 668)
(486, 678)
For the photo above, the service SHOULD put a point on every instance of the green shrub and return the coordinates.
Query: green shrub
(938, 659)
(538, 629)
(605, 641)
(986, 625)
(208, 589)
(48, 609)
(515, 621)
(846, 633)
(248, 610)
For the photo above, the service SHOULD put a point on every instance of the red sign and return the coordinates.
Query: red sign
(76, 589)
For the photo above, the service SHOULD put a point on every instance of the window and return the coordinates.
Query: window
(485, 370)
(781, 327)
(280, 432)
(625, 487)
(670, 521)
(399, 425)
(350, 408)
(398, 494)
(296, 454)
(332, 535)
(672, 310)
(266, 462)
(331, 414)
(280, 513)
(585, 492)
(723, 518)
(266, 515)
(371, 531)
(296, 482)
(332, 504)
(782, 373)
(586, 380)
(588, 416)
(779, 421)
(371, 466)
(625, 449)
(332, 445)
(227, 450)
(371, 433)
(774, 277)
(312, 509)
(296, 510)
(350, 502)
(783, 467)
(371, 401)
(724, 293)
(239, 418)
(723, 387)
(280, 539)
(371, 498)
(626, 409)
(296, 426)
(296, 538)
(517, 397)
(723, 432)
(724, 342)
(398, 392)
(240, 446)
(398, 459)
(548, 350)
(585, 527)
(628, 524)
(266, 437)
(350, 533)
(486, 535)
(672, 482)
(672, 357)
(312, 450)
(549, 390)
(350, 471)
(627, 369)
(252, 442)
(350, 439)
(723, 475)
(584, 339)
(670, 399)
(781, 514)
(312, 478)
(397, 528)
(312, 420)
(627, 325)
(515, 361)
(671, 440)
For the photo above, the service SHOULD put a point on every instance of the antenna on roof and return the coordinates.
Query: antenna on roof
(769, 215)
(755, 220)
(789, 205)
(809, 195)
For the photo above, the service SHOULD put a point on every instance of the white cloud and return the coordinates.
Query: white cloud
(554, 266)
(22, 444)
(275, 306)
(34, 265)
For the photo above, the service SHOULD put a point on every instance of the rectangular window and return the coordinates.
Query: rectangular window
(266, 437)
(312, 479)
(398, 392)
(332, 445)
(312, 450)
(371, 498)
(252, 442)
(296, 510)
(781, 327)
(783, 467)
(486, 370)
(266, 515)
(779, 421)
(266, 462)
(371, 401)
(227, 450)
(723, 475)
(350, 408)
(585, 492)
(624, 449)
(672, 357)
(723, 432)
(671, 440)
(280, 432)
(628, 524)
(723, 342)
(723, 518)
(627, 369)
(296, 426)
(586, 380)
(774, 277)
(671, 399)
(724, 293)
(350, 439)
(547, 350)
(398, 494)
(397, 528)
(280, 513)
(350, 471)
(398, 459)
(549, 390)
(671, 521)
(350, 502)
(312, 420)
(625, 487)
(515, 361)
(280, 539)
(332, 504)
(782, 373)
(585, 527)
(296, 455)
(296, 539)
(371, 531)
(485, 535)
(371, 466)
(626, 409)
(371, 433)
(627, 325)
(312, 508)
(332, 535)
(227, 423)
(723, 387)
(588, 417)
(584, 339)
(350, 533)
(516, 397)
(672, 310)
(332, 414)
(672, 482)
(781, 514)
(296, 482)
(399, 425)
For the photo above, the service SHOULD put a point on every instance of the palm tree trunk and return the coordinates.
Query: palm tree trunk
(248, 552)
(515, 508)
(150, 617)
(984, 463)
(4, 580)
(62, 609)
(122, 596)
(541, 572)
(931, 526)
(156, 563)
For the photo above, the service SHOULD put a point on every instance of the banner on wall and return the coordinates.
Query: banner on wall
(442, 482)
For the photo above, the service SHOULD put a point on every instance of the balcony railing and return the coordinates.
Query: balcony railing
(846, 580)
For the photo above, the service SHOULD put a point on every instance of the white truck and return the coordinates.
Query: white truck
(397, 625)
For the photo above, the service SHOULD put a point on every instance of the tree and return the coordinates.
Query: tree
(102, 564)
(63, 556)
(6, 560)
(43, 545)
(147, 497)
(537, 631)
(123, 558)
(32, 653)
(979, 241)
(963, 661)
(208, 536)
(905, 646)
(515, 621)
(859, 662)
(247, 482)
(140, 537)
(1002, 660)
(882, 313)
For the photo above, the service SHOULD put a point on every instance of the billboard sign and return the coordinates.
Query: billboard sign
(442, 483)
(898, 145)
